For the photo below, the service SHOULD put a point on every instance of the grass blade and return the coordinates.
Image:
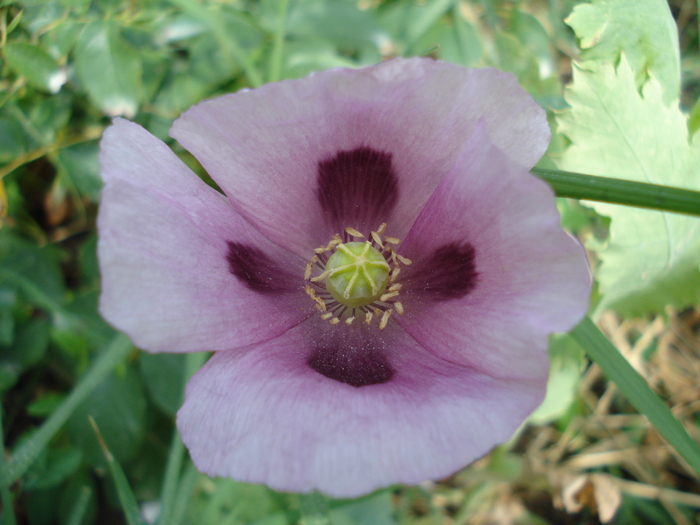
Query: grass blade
(617, 191)
(132, 513)
(176, 455)
(24, 456)
(636, 390)
(80, 508)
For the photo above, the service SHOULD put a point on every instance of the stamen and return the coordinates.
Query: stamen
(407, 262)
(385, 320)
(353, 232)
(360, 271)
(309, 267)
(388, 296)
(394, 274)
(377, 238)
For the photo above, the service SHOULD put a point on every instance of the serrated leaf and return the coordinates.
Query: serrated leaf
(644, 30)
(109, 68)
(36, 65)
(651, 259)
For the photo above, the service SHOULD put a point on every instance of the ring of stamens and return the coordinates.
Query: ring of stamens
(384, 299)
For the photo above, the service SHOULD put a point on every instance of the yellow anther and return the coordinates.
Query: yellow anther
(398, 307)
(368, 317)
(334, 321)
(395, 287)
(392, 240)
(327, 315)
(349, 320)
(385, 320)
(394, 274)
(353, 232)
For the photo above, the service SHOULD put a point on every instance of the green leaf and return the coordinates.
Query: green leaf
(566, 362)
(636, 390)
(35, 272)
(30, 344)
(643, 30)
(36, 65)
(25, 454)
(163, 376)
(109, 68)
(118, 405)
(651, 258)
(62, 463)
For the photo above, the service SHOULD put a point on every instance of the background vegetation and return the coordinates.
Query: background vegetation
(88, 421)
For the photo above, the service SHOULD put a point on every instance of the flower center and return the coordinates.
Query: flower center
(360, 278)
(357, 274)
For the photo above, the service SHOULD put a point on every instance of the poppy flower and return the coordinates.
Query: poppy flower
(377, 280)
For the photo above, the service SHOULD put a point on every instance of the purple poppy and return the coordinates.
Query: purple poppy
(378, 282)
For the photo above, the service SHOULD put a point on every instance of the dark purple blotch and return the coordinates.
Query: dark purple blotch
(357, 365)
(449, 273)
(256, 270)
(357, 188)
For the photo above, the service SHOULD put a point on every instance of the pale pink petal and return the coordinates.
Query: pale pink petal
(493, 273)
(283, 153)
(181, 270)
(263, 415)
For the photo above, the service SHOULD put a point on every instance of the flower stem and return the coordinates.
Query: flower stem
(617, 191)
(636, 390)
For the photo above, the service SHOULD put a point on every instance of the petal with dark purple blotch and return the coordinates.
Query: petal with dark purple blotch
(493, 273)
(181, 270)
(264, 147)
(263, 415)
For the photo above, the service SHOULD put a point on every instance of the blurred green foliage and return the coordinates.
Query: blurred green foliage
(68, 66)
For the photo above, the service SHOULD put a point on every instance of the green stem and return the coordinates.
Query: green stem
(617, 191)
(278, 43)
(26, 453)
(636, 390)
